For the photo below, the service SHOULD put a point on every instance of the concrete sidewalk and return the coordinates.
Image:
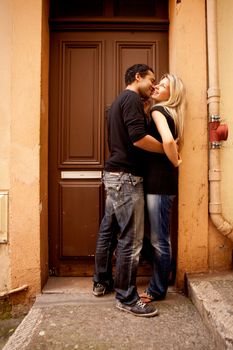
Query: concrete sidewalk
(70, 317)
(212, 294)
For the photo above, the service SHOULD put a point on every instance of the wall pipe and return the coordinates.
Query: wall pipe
(213, 95)
(13, 291)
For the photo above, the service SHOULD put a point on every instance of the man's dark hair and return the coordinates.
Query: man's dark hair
(130, 73)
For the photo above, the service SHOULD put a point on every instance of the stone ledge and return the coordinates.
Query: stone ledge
(212, 294)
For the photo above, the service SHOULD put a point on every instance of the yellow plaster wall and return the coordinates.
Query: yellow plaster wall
(187, 52)
(220, 252)
(225, 50)
(5, 123)
(24, 232)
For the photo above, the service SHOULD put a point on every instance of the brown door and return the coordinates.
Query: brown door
(87, 72)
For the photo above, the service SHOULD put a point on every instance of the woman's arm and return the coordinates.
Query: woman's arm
(169, 144)
(150, 144)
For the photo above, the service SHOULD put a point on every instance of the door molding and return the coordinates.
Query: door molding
(106, 24)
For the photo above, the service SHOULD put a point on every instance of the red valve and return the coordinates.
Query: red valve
(222, 132)
(218, 132)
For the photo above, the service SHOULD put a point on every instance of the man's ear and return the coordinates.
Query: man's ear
(137, 76)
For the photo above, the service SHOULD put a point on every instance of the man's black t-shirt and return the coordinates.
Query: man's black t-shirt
(126, 125)
(161, 177)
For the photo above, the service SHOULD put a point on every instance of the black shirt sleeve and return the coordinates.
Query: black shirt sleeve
(134, 117)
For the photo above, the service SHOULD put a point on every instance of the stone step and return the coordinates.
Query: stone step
(212, 294)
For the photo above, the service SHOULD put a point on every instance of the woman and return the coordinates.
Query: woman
(161, 178)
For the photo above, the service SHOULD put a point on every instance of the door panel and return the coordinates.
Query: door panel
(78, 232)
(87, 72)
(81, 104)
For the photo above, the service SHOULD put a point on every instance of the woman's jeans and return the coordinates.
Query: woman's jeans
(124, 218)
(159, 212)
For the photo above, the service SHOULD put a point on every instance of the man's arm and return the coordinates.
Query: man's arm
(149, 143)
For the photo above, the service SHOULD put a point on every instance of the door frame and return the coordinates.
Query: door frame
(123, 24)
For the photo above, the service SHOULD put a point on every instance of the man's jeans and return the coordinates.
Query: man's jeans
(124, 218)
(159, 212)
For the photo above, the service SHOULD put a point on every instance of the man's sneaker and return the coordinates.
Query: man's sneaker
(100, 289)
(138, 309)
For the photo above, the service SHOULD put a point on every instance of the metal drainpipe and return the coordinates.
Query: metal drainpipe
(217, 131)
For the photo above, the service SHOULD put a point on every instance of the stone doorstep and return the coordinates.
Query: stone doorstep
(212, 294)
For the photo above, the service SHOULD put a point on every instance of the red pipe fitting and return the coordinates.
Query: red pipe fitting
(217, 132)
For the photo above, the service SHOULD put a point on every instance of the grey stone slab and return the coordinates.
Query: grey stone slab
(212, 294)
(74, 321)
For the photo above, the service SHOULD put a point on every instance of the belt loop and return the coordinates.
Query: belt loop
(131, 180)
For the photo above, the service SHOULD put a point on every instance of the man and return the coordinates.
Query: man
(124, 209)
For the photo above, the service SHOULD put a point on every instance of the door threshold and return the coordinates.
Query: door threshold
(73, 285)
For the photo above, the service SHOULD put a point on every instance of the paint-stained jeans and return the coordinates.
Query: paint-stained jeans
(159, 212)
(124, 217)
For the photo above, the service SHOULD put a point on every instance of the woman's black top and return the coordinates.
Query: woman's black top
(161, 177)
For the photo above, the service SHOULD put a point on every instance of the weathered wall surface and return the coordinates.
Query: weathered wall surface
(20, 34)
(5, 124)
(220, 248)
(188, 60)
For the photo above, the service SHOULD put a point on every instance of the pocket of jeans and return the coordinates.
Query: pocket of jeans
(112, 186)
(136, 180)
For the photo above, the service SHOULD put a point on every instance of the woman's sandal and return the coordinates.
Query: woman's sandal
(146, 297)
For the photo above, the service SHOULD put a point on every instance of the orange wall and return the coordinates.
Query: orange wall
(187, 52)
(24, 213)
(5, 124)
(200, 246)
(220, 248)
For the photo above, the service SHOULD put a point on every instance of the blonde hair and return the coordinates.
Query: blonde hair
(176, 104)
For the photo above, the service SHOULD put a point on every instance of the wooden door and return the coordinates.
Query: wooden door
(86, 74)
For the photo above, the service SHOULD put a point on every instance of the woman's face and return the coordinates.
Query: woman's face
(162, 91)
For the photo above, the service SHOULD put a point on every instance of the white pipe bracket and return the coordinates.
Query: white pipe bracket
(213, 92)
(215, 145)
(214, 118)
